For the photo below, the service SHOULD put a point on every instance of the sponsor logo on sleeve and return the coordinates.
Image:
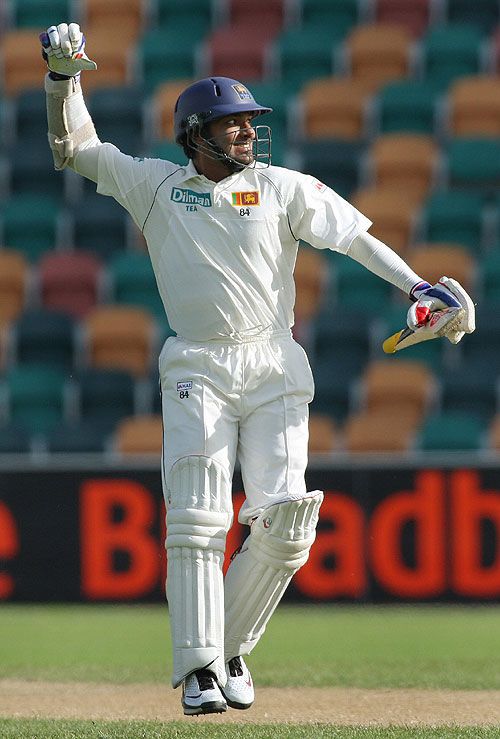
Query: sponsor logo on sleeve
(246, 198)
(190, 197)
(319, 185)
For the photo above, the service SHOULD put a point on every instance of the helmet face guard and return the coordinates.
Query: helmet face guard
(206, 101)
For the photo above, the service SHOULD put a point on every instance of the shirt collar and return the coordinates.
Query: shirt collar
(190, 172)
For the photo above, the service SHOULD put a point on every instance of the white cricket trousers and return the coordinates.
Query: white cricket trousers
(245, 400)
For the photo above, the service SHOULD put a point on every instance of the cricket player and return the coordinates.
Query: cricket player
(222, 233)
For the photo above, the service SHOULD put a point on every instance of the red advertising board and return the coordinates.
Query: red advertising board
(385, 534)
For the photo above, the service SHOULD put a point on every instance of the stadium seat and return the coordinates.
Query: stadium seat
(456, 217)
(114, 60)
(342, 340)
(271, 13)
(473, 164)
(305, 53)
(69, 281)
(404, 161)
(485, 14)
(167, 150)
(408, 105)
(474, 107)
(117, 113)
(31, 169)
(14, 439)
(133, 282)
(450, 51)
(44, 336)
(30, 117)
(99, 225)
(470, 387)
(392, 212)
(436, 260)
(103, 396)
(126, 17)
(489, 268)
(34, 395)
(30, 223)
(378, 432)
(164, 99)
(77, 437)
(311, 278)
(20, 64)
(14, 275)
(493, 435)
(180, 13)
(35, 14)
(163, 54)
(336, 162)
(334, 107)
(484, 343)
(354, 286)
(119, 337)
(452, 431)
(377, 53)
(139, 435)
(239, 51)
(342, 13)
(399, 385)
(322, 434)
(415, 16)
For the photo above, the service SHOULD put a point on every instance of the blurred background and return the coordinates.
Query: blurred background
(394, 104)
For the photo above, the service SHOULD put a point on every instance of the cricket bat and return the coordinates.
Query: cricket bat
(440, 323)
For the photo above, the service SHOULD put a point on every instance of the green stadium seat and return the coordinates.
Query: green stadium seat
(39, 15)
(14, 439)
(30, 117)
(133, 282)
(83, 437)
(303, 53)
(452, 431)
(30, 223)
(44, 336)
(336, 162)
(164, 54)
(103, 396)
(470, 388)
(474, 163)
(356, 287)
(408, 106)
(451, 51)
(34, 396)
(333, 381)
(489, 269)
(168, 150)
(117, 113)
(342, 337)
(180, 13)
(32, 169)
(99, 225)
(456, 217)
(484, 343)
(342, 13)
(485, 14)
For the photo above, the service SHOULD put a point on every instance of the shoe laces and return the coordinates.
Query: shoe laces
(205, 679)
(235, 667)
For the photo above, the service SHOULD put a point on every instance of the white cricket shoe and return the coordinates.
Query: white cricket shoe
(201, 694)
(238, 690)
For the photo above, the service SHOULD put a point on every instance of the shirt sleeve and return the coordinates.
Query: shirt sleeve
(132, 181)
(323, 218)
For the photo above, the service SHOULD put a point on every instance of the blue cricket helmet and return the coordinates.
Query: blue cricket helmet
(209, 99)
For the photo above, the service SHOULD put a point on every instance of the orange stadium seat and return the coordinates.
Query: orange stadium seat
(405, 386)
(119, 337)
(474, 106)
(139, 435)
(435, 260)
(379, 432)
(405, 161)
(311, 276)
(14, 273)
(322, 434)
(125, 17)
(392, 212)
(334, 107)
(378, 53)
(69, 281)
(164, 100)
(415, 16)
(22, 67)
(494, 433)
(113, 60)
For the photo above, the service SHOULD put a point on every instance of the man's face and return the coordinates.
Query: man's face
(234, 134)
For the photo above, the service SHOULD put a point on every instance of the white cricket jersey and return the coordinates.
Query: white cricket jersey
(224, 252)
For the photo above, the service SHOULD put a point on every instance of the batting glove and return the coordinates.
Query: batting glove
(447, 297)
(63, 48)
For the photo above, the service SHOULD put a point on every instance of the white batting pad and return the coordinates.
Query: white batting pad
(278, 545)
(198, 518)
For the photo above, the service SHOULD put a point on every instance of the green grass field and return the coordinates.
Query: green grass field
(365, 647)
